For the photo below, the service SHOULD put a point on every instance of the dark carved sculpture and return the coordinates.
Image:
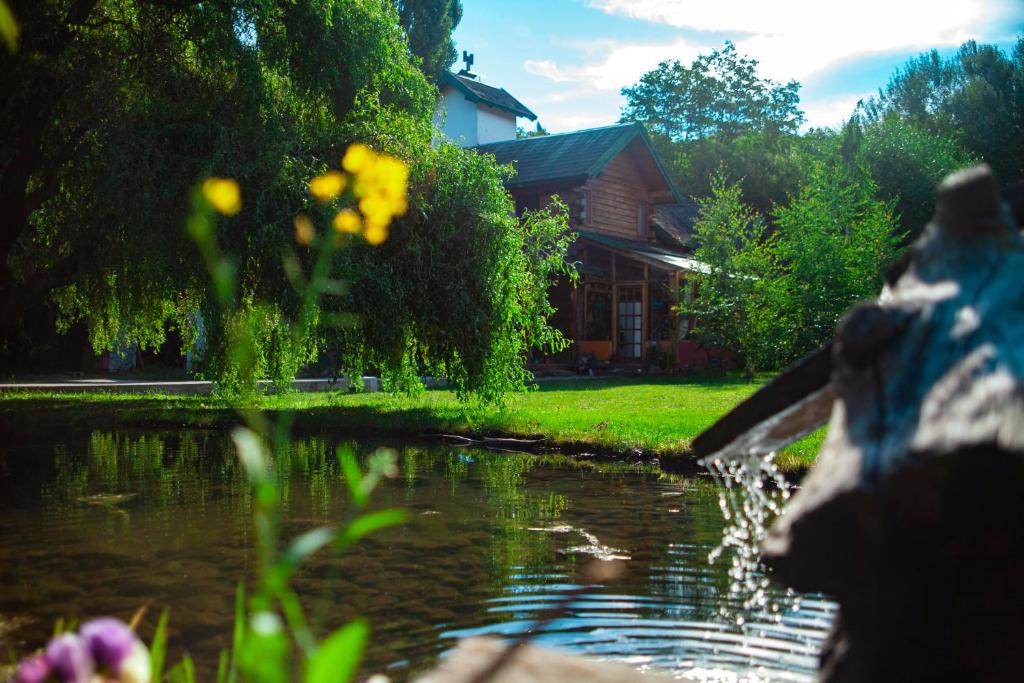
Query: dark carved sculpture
(913, 517)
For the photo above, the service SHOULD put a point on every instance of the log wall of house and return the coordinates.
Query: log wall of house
(615, 198)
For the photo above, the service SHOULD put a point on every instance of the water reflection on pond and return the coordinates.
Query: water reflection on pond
(101, 523)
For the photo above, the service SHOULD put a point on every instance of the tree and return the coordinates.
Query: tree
(113, 110)
(459, 290)
(975, 97)
(112, 129)
(777, 296)
(429, 24)
(719, 116)
(835, 241)
(908, 162)
(718, 94)
(732, 239)
(537, 132)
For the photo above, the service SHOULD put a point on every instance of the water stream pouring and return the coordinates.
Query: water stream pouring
(913, 517)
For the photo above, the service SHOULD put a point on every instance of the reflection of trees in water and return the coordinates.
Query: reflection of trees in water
(159, 468)
(187, 469)
(514, 548)
(166, 468)
(498, 482)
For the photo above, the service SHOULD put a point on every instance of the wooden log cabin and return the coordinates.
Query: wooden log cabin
(635, 251)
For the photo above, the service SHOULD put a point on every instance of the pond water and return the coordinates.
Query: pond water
(95, 523)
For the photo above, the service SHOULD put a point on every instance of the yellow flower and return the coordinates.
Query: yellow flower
(304, 231)
(376, 208)
(223, 194)
(375, 232)
(327, 186)
(380, 184)
(357, 157)
(348, 220)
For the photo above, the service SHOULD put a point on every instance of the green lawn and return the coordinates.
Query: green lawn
(660, 415)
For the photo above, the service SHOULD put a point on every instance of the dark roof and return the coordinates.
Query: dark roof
(645, 251)
(673, 223)
(569, 157)
(475, 91)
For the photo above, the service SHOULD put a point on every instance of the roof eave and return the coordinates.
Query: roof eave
(614, 150)
(563, 180)
(473, 97)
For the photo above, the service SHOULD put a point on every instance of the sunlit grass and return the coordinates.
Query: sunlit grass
(659, 415)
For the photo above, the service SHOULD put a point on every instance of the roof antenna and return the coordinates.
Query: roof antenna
(467, 57)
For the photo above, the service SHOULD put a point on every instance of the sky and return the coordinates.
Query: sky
(567, 60)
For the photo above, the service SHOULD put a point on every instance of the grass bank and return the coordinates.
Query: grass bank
(656, 416)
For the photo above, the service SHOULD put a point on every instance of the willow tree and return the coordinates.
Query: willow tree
(114, 109)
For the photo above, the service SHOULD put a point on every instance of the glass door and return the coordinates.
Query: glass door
(629, 312)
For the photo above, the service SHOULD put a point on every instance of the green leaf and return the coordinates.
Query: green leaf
(367, 524)
(8, 27)
(158, 648)
(306, 545)
(251, 452)
(238, 635)
(339, 655)
(183, 672)
(265, 654)
(223, 663)
(353, 476)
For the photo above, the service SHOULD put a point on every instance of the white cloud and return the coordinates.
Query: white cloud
(622, 64)
(558, 123)
(796, 38)
(832, 112)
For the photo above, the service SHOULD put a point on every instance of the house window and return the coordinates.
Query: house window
(641, 220)
(661, 316)
(599, 314)
(630, 320)
(585, 210)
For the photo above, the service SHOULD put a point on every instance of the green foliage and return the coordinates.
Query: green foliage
(268, 93)
(719, 117)
(537, 132)
(8, 27)
(148, 98)
(766, 164)
(775, 296)
(337, 658)
(835, 240)
(428, 26)
(975, 97)
(734, 243)
(908, 161)
(158, 648)
(459, 290)
(718, 94)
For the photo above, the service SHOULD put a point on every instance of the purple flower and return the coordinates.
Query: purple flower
(33, 670)
(109, 641)
(69, 659)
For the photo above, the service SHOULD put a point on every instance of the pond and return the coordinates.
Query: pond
(96, 523)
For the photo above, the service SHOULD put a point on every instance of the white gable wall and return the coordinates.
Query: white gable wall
(494, 125)
(468, 124)
(459, 118)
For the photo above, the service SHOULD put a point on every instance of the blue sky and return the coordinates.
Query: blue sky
(568, 59)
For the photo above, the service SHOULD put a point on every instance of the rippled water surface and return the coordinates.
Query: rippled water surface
(102, 523)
